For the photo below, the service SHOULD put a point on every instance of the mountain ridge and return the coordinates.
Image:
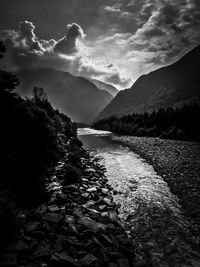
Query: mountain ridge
(171, 85)
(75, 96)
(105, 86)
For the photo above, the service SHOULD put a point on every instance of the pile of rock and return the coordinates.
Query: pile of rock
(79, 226)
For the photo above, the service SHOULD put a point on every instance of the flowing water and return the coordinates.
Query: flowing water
(150, 212)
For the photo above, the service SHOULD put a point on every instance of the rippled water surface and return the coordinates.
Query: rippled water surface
(148, 209)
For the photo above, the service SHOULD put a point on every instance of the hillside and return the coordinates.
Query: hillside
(105, 86)
(169, 86)
(75, 96)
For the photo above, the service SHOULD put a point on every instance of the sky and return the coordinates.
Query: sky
(113, 41)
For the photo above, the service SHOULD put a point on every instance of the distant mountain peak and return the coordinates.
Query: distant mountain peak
(105, 86)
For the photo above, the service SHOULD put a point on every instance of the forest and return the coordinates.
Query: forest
(33, 138)
(180, 123)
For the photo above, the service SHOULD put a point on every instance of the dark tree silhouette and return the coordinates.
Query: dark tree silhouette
(8, 81)
(2, 49)
(172, 123)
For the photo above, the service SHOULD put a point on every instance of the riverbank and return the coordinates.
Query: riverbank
(178, 163)
(79, 226)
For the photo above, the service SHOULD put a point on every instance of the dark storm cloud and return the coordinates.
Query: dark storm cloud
(170, 31)
(68, 45)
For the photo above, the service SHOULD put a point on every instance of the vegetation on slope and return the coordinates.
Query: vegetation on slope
(169, 86)
(171, 123)
(31, 140)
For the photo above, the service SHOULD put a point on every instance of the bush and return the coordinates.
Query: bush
(71, 176)
(8, 220)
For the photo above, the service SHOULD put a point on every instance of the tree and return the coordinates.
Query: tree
(8, 81)
(2, 49)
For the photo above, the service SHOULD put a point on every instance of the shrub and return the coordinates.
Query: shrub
(8, 220)
(71, 176)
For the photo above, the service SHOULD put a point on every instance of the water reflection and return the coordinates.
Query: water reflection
(148, 208)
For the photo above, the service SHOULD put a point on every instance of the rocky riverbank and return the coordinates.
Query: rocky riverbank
(178, 163)
(79, 226)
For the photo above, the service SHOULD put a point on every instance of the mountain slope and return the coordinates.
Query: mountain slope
(105, 86)
(172, 85)
(76, 96)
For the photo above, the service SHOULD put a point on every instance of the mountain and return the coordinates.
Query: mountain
(76, 96)
(105, 86)
(168, 86)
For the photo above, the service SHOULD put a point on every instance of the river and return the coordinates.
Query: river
(149, 211)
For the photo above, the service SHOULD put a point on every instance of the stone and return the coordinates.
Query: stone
(139, 262)
(92, 189)
(84, 179)
(69, 219)
(89, 203)
(72, 241)
(8, 260)
(17, 246)
(31, 226)
(115, 255)
(104, 214)
(105, 240)
(86, 195)
(52, 217)
(53, 208)
(101, 255)
(60, 199)
(110, 226)
(118, 230)
(70, 188)
(88, 260)
(37, 234)
(112, 265)
(63, 258)
(78, 214)
(42, 209)
(35, 264)
(73, 228)
(58, 246)
(91, 224)
(113, 216)
(107, 201)
(86, 234)
(124, 240)
(45, 227)
(81, 253)
(104, 190)
(102, 207)
(42, 252)
(115, 242)
(91, 170)
(123, 263)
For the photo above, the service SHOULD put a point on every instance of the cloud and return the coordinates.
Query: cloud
(26, 50)
(113, 9)
(68, 44)
(136, 36)
(169, 32)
